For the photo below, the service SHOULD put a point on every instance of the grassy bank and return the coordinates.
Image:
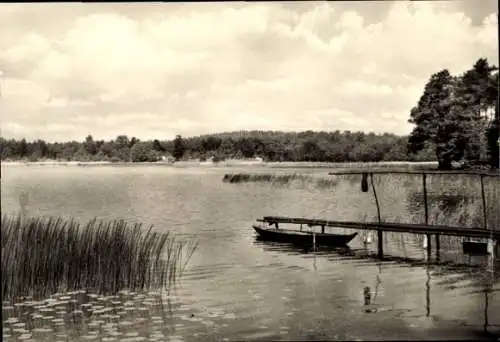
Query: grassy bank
(41, 256)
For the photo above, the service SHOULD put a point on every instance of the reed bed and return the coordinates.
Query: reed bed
(280, 179)
(42, 256)
(465, 214)
(453, 200)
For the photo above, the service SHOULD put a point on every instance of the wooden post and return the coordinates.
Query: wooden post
(438, 247)
(426, 213)
(380, 234)
(322, 229)
(380, 240)
(490, 242)
(426, 207)
(483, 197)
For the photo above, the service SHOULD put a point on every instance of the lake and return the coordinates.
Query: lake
(238, 288)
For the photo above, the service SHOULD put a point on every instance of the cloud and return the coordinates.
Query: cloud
(156, 70)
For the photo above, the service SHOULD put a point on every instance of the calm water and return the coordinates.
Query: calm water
(237, 288)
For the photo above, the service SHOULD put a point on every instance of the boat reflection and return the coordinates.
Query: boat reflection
(291, 248)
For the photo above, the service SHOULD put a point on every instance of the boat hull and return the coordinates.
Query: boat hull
(301, 238)
(475, 247)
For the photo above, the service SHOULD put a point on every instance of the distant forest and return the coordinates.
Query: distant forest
(271, 146)
(456, 120)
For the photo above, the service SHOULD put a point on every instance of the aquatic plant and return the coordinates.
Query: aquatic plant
(280, 179)
(41, 256)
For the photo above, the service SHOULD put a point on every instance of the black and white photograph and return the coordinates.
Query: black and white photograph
(250, 171)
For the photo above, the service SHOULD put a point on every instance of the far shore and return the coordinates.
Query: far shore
(228, 162)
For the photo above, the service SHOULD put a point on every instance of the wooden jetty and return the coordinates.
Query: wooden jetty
(390, 227)
(485, 232)
(428, 230)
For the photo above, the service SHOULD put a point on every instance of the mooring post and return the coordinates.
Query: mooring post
(490, 247)
(380, 234)
(426, 208)
(438, 248)
(483, 198)
(428, 243)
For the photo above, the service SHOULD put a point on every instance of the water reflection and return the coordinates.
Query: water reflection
(446, 276)
(370, 303)
(428, 292)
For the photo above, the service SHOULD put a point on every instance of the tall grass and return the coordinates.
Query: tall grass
(279, 179)
(41, 256)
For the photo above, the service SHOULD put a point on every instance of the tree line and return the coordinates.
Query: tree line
(456, 120)
(269, 145)
(459, 115)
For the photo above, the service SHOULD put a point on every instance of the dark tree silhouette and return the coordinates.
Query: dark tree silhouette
(179, 148)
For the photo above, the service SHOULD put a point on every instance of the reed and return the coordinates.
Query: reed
(42, 256)
(453, 200)
(287, 179)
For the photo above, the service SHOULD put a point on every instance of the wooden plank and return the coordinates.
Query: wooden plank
(392, 227)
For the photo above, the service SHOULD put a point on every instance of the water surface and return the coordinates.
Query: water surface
(238, 288)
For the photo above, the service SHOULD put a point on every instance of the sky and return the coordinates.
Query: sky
(154, 70)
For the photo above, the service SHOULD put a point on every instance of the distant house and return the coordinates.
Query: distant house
(168, 159)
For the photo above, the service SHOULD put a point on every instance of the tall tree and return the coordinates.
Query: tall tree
(122, 148)
(90, 145)
(477, 96)
(179, 147)
(133, 141)
(23, 148)
(157, 146)
(436, 120)
(493, 131)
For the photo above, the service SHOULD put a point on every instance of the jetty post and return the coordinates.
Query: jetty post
(490, 247)
(428, 243)
(380, 234)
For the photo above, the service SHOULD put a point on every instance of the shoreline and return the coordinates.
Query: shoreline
(221, 163)
(232, 163)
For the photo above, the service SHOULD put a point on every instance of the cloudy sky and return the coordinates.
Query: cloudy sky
(154, 70)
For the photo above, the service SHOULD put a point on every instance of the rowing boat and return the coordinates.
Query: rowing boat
(272, 232)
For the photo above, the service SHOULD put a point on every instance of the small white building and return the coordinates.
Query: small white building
(168, 159)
